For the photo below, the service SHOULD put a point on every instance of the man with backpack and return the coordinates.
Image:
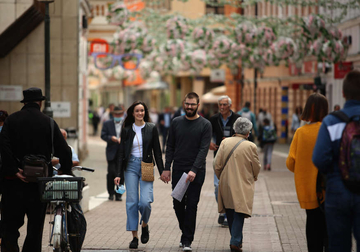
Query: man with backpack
(336, 154)
(267, 137)
(247, 113)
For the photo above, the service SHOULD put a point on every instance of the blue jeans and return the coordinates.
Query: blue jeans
(236, 223)
(268, 149)
(216, 185)
(342, 209)
(134, 205)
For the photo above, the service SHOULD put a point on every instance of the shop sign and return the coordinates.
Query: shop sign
(341, 69)
(10, 93)
(99, 46)
(61, 109)
(217, 75)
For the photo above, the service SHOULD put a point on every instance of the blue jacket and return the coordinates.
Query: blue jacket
(253, 118)
(326, 152)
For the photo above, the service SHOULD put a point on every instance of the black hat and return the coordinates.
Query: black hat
(33, 94)
(118, 110)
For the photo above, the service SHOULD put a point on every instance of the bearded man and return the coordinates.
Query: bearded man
(187, 147)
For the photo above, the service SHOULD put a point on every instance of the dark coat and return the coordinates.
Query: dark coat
(218, 128)
(151, 147)
(107, 131)
(28, 131)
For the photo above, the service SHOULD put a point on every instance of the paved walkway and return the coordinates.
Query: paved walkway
(277, 224)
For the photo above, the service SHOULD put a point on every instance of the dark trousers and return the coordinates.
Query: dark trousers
(20, 199)
(316, 234)
(236, 224)
(164, 132)
(186, 210)
(111, 175)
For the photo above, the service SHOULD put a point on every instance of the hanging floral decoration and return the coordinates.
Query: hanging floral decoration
(177, 27)
(117, 13)
(203, 37)
(254, 44)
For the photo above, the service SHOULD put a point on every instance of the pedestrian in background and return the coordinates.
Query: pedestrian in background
(164, 125)
(342, 204)
(247, 113)
(237, 166)
(337, 107)
(267, 138)
(306, 176)
(26, 132)
(139, 143)
(187, 146)
(110, 133)
(222, 127)
(296, 119)
(75, 159)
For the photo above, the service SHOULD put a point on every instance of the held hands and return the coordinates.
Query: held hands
(213, 146)
(117, 181)
(165, 176)
(191, 176)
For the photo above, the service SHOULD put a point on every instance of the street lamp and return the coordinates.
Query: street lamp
(47, 110)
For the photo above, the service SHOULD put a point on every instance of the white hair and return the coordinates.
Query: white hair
(242, 126)
(225, 97)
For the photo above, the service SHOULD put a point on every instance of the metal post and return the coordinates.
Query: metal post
(255, 87)
(47, 110)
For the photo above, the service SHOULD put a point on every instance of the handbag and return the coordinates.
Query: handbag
(147, 169)
(37, 166)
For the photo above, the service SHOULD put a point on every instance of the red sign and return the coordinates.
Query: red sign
(341, 69)
(99, 46)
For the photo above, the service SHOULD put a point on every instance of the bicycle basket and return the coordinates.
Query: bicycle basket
(67, 189)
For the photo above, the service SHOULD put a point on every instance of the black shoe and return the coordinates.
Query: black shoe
(118, 197)
(134, 243)
(145, 234)
(111, 197)
(221, 219)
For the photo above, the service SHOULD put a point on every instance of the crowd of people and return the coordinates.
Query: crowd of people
(323, 156)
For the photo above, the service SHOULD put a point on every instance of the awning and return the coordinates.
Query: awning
(213, 95)
(153, 85)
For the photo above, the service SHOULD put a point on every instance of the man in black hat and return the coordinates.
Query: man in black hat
(110, 133)
(26, 132)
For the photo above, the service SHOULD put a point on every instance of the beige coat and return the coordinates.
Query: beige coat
(237, 180)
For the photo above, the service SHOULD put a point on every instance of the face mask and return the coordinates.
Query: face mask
(117, 119)
(1, 128)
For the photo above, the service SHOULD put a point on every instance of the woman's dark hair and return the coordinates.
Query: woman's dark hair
(129, 120)
(351, 85)
(316, 108)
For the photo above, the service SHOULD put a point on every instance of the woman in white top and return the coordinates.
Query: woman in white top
(139, 142)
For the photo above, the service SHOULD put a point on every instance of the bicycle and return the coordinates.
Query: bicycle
(62, 192)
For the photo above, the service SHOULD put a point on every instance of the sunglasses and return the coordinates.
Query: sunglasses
(105, 61)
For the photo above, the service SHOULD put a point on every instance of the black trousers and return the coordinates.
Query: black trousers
(316, 234)
(20, 199)
(111, 175)
(186, 210)
(164, 133)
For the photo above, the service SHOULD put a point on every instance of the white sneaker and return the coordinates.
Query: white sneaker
(180, 245)
(187, 248)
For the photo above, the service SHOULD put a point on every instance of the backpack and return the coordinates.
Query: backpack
(246, 115)
(269, 134)
(349, 152)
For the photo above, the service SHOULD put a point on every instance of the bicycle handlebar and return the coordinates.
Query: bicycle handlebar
(78, 168)
(81, 168)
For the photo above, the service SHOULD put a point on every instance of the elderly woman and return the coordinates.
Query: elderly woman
(237, 166)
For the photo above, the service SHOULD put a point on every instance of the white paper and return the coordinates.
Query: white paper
(180, 188)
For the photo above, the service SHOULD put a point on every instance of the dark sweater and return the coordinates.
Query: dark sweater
(188, 144)
(218, 127)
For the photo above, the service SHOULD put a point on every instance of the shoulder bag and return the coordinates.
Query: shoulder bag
(36, 166)
(147, 169)
(232, 151)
